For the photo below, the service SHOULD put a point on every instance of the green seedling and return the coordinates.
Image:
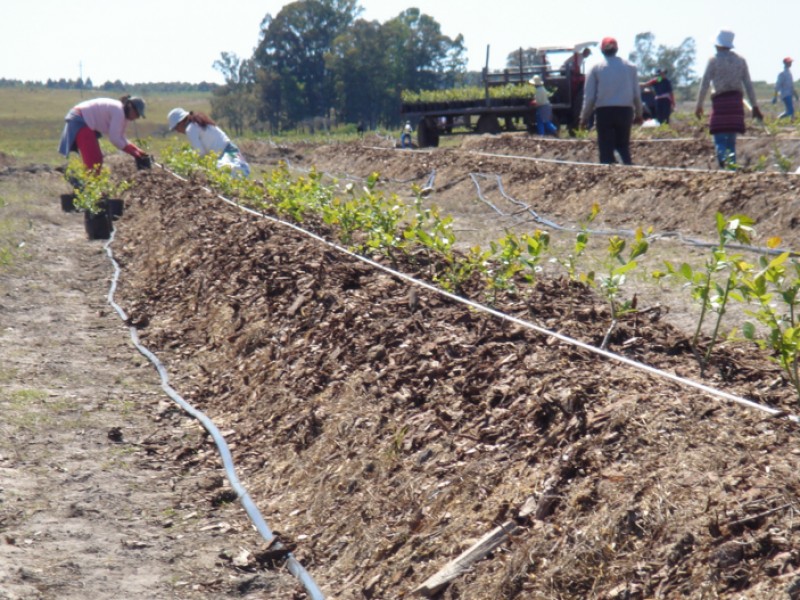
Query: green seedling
(505, 265)
(719, 280)
(434, 233)
(514, 258)
(579, 247)
(761, 164)
(782, 162)
(76, 172)
(612, 282)
(778, 279)
(383, 223)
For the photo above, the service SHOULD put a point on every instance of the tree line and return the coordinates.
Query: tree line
(316, 61)
(111, 86)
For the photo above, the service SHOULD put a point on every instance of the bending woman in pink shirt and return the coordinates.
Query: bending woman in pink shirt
(88, 120)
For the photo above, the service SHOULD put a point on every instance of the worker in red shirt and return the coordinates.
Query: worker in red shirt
(573, 68)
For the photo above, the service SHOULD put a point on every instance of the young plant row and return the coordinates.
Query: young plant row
(368, 222)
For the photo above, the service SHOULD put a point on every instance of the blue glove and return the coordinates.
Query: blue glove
(774, 99)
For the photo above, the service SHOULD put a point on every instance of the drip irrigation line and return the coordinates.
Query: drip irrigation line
(527, 208)
(621, 232)
(575, 163)
(349, 177)
(431, 180)
(292, 564)
(708, 390)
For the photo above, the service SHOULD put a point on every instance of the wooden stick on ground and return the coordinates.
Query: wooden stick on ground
(464, 561)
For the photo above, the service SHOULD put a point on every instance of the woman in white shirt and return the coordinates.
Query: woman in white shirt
(205, 137)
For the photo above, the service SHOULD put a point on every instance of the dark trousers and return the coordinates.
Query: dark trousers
(613, 125)
(663, 109)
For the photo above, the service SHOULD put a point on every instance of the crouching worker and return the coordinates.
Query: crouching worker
(204, 136)
(88, 121)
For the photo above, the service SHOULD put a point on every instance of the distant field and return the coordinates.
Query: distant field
(31, 120)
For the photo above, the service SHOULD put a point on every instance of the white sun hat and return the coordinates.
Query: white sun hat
(725, 39)
(175, 116)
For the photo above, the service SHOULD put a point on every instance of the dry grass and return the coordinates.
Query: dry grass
(31, 119)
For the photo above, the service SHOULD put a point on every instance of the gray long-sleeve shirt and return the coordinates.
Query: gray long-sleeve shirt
(729, 73)
(784, 87)
(613, 82)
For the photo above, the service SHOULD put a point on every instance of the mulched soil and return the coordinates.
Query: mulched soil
(384, 429)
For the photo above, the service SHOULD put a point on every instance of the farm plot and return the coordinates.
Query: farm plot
(385, 429)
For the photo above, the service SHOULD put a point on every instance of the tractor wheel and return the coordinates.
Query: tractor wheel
(488, 124)
(530, 123)
(427, 134)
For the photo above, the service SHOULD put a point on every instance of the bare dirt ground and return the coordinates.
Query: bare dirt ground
(102, 494)
(383, 429)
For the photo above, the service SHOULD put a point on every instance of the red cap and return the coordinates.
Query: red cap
(607, 44)
(788, 60)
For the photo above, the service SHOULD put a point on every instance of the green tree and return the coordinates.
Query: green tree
(295, 82)
(678, 61)
(358, 64)
(237, 101)
(421, 57)
(372, 64)
(523, 57)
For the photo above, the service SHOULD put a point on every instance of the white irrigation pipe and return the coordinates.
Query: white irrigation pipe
(293, 565)
(575, 163)
(773, 412)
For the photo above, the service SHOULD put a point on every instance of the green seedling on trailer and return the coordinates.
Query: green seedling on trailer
(778, 279)
(525, 91)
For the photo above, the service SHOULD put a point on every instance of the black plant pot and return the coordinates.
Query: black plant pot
(144, 162)
(68, 202)
(114, 207)
(98, 225)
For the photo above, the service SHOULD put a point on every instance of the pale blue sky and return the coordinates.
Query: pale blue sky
(178, 40)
